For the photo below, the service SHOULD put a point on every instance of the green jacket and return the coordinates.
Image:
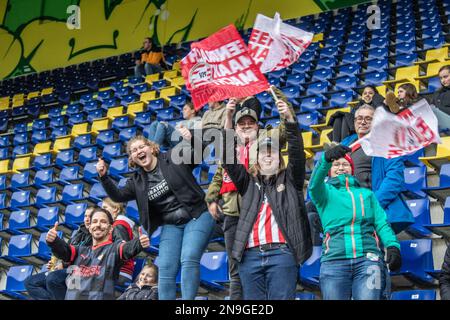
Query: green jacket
(232, 200)
(353, 221)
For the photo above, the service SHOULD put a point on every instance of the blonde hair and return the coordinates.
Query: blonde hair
(115, 205)
(255, 169)
(152, 266)
(154, 146)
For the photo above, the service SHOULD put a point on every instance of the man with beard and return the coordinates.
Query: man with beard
(94, 269)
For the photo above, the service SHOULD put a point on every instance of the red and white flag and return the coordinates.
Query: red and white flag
(393, 136)
(220, 67)
(275, 45)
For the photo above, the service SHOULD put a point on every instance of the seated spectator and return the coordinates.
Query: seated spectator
(95, 268)
(51, 285)
(383, 176)
(444, 278)
(214, 117)
(370, 96)
(146, 287)
(440, 101)
(164, 134)
(150, 59)
(122, 231)
(406, 96)
(352, 264)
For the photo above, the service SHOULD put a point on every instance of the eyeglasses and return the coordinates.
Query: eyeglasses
(341, 164)
(365, 119)
(139, 148)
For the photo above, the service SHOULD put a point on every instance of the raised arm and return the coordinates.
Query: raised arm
(236, 171)
(127, 193)
(60, 248)
(296, 153)
(130, 249)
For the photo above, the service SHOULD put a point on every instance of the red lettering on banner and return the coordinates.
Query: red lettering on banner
(260, 37)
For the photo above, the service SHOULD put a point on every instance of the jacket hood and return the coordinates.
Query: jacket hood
(340, 181)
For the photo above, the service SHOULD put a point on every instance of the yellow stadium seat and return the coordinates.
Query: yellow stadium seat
(134, 108)
(99, 125)
(309, 154)
(19, 96)
(42, 147)
(62, 143)
(4, 107)
(170, 74)
(33, 94)
(442, 155)
(17, 103)
(46, 91)
(80, 128)
(404, 74)
(415, 83)
(4, 166)
(165, 93)
(21, 163)
(435, 55)
(323, 139)
(322, 126)
(177, 82)
(176, 65)
(151, 78)
(432, 70)
(115, 112)
(307, 139)
(317, 37)
(147, 96)
(382, 90)
(286, 159)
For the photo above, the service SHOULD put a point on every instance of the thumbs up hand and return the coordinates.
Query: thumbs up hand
(144, 239)
(52, 234)
(185, 133)
(101, 167)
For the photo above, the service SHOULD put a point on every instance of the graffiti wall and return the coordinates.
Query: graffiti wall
(38, 35)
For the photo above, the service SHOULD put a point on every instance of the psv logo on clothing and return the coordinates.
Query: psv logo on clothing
(281, 187)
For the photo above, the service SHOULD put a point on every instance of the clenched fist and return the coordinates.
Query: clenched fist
(101, 167)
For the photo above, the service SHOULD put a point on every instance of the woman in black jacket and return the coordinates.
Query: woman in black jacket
(273, 235)
(444, 278)
(167, 194)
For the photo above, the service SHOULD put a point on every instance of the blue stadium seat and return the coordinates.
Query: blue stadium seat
(291, 92)
(46, 218)
(105, 137)
(122, 91)
(15, 282)
(20, 127)
(3, 179)
(18, 220)
(377, 53)
(64, 158)
(74, 215)
(127, 133)
(310, 270)
(74, 108)
(111, 151)
(295, 79)
(417, 257)
(317, 88)
(300, 67)
(58, 132)
(120, 123)
(348, 70)
(97, 192)
(40, 124)
(109, 103)
(20, 180)
(42, 161)
(433, 43)
(46, 196)
(142, 119)
(167, 114)
(305, 120)
(326, 63)
(84, 98)
(83, 141)
(405, 48)
(90, 105)
(4, 153)
(340, 99)
(78, 118)
(143, 87)
(129, 98)
(214, 269)
(354, 47)
(58, 121)
(351, 58)
(420, 209)
(375, 78)
(90, 174)
(5, 140)
(43, 177)
(19, 245)
(21, 138)
(131, 211)
(87, 154)
(19, 199)
(21, 149)
(69, 175)
(95, 114)
(404, 60)
(414, 295)
(443, 190)
(264, 97)
(119, 167)
(416, 180)
(405, 37)
(322, 74)
(42, 254)
(377, 65)
(345, 83)
(73, 193)
(379, 43)
(177, 100)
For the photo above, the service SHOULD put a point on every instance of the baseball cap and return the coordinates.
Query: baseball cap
(245, 112)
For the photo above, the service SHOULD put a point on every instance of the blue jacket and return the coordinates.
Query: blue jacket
(388, 185)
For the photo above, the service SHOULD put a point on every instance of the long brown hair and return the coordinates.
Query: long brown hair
(151, 144)
(411, 95)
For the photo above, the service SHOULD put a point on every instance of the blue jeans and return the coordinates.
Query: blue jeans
(143, 69)
(268, 275)
(183, 245)
(357, 279)
(161, 134)
(47, 286)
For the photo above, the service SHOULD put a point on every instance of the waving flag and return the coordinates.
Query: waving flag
(220, 67)
(275, 45)
(393, 136)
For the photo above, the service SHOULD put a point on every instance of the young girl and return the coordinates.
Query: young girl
(273, 235)
(146, 286)
(406, 96)
(167, 194)
(352, 264)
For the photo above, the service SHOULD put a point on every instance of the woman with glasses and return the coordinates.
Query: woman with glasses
(355, 226)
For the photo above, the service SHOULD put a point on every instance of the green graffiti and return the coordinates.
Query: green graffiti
(110, 5)
(326, 5)
(240, 23)
(73, 54)
(186, 30)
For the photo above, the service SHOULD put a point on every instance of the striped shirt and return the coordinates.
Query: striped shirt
(265, 230)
